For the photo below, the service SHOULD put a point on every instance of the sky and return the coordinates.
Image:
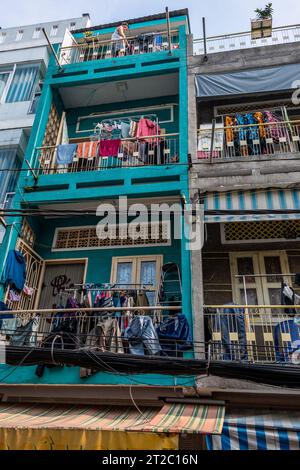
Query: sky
(222, 16)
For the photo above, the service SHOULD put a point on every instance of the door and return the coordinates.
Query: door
(137, 270)
(256, 280)
(57, 278)
(257, 277)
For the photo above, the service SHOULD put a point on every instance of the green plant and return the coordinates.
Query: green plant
(263, 13)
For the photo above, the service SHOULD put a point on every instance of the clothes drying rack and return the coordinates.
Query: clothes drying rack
(118, 120)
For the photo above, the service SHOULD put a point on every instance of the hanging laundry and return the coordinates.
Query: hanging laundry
(66, 153)
(142, 336)
(260, 120)
(87, 149)
(14, 296)
(15, 270)
(275, 131)
(133, 129)
(175, 335)
(125, 130)
(147, 128)
(109, 148)
(29, 291)
(158, 42)
(229, 122)
(288, 298)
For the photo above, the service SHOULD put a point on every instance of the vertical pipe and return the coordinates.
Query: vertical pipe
(204, 38)
(169, 29)
(212, 140)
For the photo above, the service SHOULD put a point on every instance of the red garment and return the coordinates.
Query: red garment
(109, 148)
(147, 128)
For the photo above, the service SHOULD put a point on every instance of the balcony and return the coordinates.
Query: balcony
(104, 339)
(239, 41)
(132, 153)
(93, 48)
(249, 142)
(253, 334)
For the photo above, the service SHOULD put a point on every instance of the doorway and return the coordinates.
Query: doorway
(58, 277)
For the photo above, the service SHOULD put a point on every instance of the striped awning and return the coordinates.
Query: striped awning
(252, 200)
(258, 430)
(59, 427)
(182, 418)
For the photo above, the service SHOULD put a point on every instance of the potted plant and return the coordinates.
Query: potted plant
(265, 13)
(261, 27)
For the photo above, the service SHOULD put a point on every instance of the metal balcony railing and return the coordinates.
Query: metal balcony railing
(98, 329)
(237, 41)
(249, 141)
(95, 49)
(256, 334)
(148, 151)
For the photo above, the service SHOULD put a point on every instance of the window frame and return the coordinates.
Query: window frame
(54, 28)
(3, 36)
(36, 33)
(11, 78)
(136, 267)
(10, 73)
(19, 35)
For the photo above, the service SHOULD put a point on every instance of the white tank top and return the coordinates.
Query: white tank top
(116, 36)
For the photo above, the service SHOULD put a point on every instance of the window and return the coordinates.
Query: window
(72, 26)
(2, 37)
(36, 33)
(4, 76)
(138, 270)
(23, 83)
(19, 35)
(54, 30)
(9, 160)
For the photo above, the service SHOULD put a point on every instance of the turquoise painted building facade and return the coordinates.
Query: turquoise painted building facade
(94, 85)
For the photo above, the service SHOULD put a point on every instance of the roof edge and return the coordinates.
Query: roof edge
(159, 16)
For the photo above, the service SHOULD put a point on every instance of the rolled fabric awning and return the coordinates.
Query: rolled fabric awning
(183, 418)
(61, 427)
(254, 201)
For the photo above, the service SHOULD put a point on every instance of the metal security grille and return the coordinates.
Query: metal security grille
(251, 107)
(260, 231)
(34, 266)
(114, 236)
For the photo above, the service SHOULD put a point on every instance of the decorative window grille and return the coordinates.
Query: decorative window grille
(244, 232)
(114, 236)
(52, 127)
(28, 234)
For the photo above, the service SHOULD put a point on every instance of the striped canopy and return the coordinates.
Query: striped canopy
(60, 427)
(253, 200)
(182, 418)
(258, 430)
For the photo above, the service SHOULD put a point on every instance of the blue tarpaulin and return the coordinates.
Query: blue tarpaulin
(248, 81)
